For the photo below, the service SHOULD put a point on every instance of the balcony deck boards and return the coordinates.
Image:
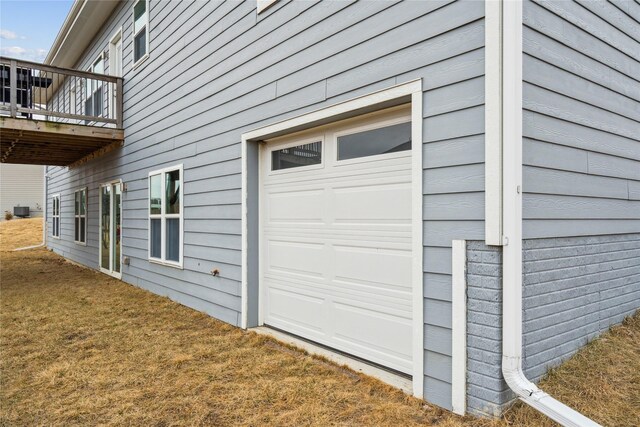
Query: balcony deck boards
(40, 142)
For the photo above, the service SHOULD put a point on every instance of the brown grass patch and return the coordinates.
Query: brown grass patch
(602, 380)
(20, 233)
(81, 348)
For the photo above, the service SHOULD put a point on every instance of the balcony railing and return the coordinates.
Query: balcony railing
(43, 92)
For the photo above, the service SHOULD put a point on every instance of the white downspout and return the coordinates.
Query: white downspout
(512, 357)
(44, 206)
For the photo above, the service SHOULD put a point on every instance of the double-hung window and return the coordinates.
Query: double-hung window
(140, 31)
(80, 216)
(94, 104)
(166, 216)
(55, 216)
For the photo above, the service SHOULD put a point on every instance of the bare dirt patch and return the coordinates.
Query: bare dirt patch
(80, 348)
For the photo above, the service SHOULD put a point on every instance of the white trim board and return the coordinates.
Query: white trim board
(493, 122)
(392, 96)
(459, 326)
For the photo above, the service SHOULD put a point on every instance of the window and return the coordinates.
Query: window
(80, 217)
(55, 216)
(115, 69)
(93, 103)
(166, 216)
(140, 31)
(300, 155)
(389, 139)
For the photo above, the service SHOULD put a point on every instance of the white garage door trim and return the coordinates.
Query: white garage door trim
(411, 91)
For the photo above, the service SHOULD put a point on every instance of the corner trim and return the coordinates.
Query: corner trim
(493, 122)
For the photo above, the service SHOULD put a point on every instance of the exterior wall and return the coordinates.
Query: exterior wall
(581, 118)
(217, 70)
(21, 185)
(573, 288)
(487, 393)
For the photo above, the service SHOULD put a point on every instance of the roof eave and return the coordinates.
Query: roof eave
(80, 27)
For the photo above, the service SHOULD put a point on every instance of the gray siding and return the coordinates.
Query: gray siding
(217, 70)
(21, 185)
(581, 100)
(573, 289)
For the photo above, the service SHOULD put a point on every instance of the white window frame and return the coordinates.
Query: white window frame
(55, 216)
(110, 271)
(77, 216)
(117, 38)
(378, 124)
(164, 216)
(311, 139)
(87, 82)
(133, 39)
(262, 5)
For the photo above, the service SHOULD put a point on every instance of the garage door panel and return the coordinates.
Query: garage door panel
(373, 203)
(306, 259)
(337, 176)
(296, 206)
(378, 336)
(289, 309)
(369, 296)
(382, 268)
(343, 234)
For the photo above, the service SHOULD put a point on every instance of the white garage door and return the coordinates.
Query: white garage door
(336, 245)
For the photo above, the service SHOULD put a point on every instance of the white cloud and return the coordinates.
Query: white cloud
(13, 50)
(35, 55)
(8, 35)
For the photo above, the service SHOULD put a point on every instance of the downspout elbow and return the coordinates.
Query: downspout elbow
(515, 378)
(529, 393)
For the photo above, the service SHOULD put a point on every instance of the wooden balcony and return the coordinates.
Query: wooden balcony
(57, 116)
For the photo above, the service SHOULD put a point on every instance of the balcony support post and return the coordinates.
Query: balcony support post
(119, 104)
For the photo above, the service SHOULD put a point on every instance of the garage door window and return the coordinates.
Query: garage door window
(386, 140)
(294, 157)
(165, 216)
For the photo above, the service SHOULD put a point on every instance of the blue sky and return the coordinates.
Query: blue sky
(28, 27)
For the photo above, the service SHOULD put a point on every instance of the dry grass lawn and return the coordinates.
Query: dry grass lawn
(80, 348)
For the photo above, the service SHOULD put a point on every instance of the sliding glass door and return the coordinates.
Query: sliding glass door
(111, 228)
